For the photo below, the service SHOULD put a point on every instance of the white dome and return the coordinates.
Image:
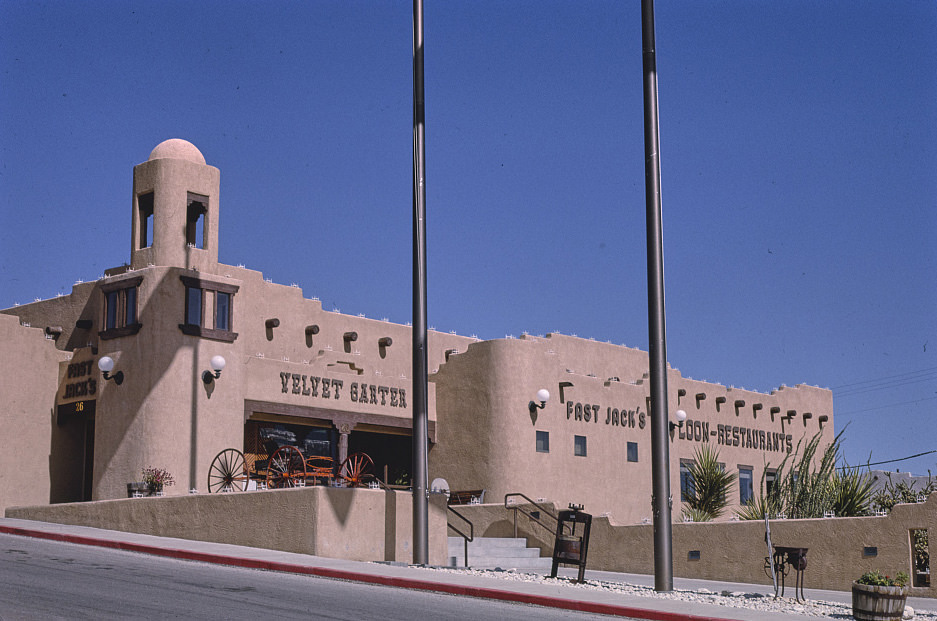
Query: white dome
(177, 149)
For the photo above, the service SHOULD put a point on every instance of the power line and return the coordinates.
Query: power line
(890, 461)
(899, 376)
(883, 407)
(887, 385)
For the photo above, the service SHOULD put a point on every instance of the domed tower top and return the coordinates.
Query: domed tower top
(177, 149)
(175, 208)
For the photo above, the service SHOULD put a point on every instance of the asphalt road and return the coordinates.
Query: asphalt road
(51, 580)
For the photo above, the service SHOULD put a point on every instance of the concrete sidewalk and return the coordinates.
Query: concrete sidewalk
(507, 586)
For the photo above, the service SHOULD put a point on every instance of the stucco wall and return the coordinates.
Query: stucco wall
(735, 551)
(29, 366)
(599, 392)
(353, 524)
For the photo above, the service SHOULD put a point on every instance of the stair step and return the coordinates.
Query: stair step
(503, 552)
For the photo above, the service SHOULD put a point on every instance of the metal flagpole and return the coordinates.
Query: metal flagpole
(420, 372)
(657, 338)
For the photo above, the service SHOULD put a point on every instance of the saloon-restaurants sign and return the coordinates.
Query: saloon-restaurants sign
(691, 431)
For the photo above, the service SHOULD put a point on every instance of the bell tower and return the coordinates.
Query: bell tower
(175, 209)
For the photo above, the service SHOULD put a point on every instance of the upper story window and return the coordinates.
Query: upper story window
(145, 204)
(120, 308)
(632, 451)
(209, 309)
(543, 441)
(579, 446)
(196, 208)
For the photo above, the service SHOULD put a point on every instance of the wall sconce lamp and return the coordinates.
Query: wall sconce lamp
(217, 365)
(106, 364)
(385, 341)
(350, 336)
(272, 323)
(543, 395)
(681, 416)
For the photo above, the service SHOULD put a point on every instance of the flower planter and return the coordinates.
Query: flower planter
(878, 603)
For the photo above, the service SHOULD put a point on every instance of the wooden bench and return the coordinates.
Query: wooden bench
(466, 497)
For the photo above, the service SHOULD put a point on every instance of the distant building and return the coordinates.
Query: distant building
(334, 384)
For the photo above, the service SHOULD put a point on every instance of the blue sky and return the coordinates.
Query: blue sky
(798, 151)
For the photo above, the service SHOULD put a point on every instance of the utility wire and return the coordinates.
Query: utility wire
(890, 461)
(886, 381)
(882, 407)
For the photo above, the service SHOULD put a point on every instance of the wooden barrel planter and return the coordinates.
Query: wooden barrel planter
(878, 603)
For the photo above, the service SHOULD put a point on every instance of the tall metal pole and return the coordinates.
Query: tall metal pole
(420, 372)
(657, 345)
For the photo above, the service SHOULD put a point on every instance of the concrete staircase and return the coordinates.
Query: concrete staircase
(498, 552)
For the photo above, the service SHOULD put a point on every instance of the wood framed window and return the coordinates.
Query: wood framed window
(209, 309)
(120, 308)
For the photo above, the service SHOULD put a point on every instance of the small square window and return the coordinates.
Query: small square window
(543, 441)
(579, 446)
(632, 451)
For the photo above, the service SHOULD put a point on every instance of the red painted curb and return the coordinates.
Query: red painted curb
(406, 583)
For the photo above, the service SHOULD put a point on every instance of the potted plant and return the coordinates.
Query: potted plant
(877, 597)
(156, 479)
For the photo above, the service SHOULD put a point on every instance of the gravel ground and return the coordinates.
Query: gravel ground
(734, 599)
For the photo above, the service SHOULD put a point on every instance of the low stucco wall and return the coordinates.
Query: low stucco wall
(353, 524)
(736, 551)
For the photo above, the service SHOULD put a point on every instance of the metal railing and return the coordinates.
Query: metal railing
(466, 537)
(533, 515)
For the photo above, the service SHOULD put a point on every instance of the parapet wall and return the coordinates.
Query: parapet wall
(735, 551)
(353, 524)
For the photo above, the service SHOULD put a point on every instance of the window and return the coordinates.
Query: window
(197, 207)
(193, 306)
(771, 477)
(209, 309)
(120, 308)
(222, 310)
(543, 441)
(145, 205)
(687, 486)
(632, 451)
(745, 484)
(579, 446)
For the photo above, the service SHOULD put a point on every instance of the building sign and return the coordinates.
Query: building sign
(587, 412)
(691, 431)
(76, 399)
(78, 380)
(335, 389)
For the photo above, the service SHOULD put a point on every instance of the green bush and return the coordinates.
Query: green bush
(877, 578)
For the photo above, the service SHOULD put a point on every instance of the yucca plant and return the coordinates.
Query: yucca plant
(802, 490)
(709, 494)
(852, 492)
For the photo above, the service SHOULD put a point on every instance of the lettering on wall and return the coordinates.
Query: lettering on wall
(614, 417)
(328, 388)
(691, 431)
(83, 387)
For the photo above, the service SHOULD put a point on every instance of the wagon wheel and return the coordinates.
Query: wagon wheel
(228, 472)
(356, 468)
(286, 468)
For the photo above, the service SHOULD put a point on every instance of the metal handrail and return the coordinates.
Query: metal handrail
(529, 514)
(466, 538)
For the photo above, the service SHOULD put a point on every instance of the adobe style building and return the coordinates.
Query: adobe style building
(333, 384)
